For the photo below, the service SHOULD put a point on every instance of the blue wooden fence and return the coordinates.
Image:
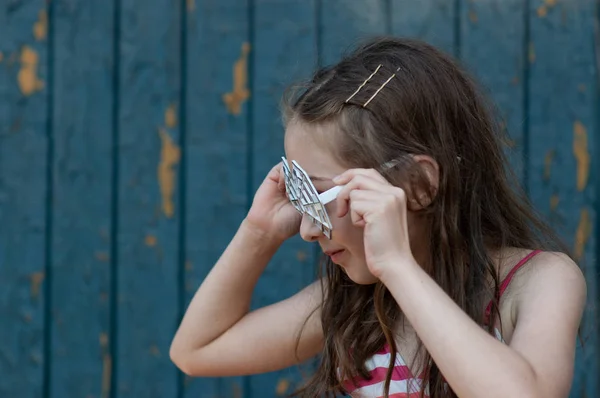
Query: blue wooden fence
(133, 134)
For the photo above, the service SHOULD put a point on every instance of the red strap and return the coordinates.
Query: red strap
(508, 278)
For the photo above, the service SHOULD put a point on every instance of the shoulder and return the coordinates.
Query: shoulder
(549, 279)
(550, 271)
(549, 295)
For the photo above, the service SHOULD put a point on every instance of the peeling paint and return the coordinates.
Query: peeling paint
(103, 340)
(240, 93)
(531, 53)
(150, 240)
(170, 117)
(282, 387)
(580, 150)
(154, 351)
(472, 16)
(27, 317)
(584, 231)
(169, 158)
(554, 200)
(29, 82)
(106, 371)
(35, 279)
(301, 255)
(40, 27)
(106, 365)
(548, 163)
(542, 10)
(102, 256)
(237, 390)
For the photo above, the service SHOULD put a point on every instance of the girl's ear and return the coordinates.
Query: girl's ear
(423, 195)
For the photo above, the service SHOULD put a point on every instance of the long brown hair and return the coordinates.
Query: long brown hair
(430, 107)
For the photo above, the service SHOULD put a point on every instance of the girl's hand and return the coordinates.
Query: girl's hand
(271, 212)
(380, 208)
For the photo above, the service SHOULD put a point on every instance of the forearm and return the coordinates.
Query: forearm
(225, 294)
(474, 363)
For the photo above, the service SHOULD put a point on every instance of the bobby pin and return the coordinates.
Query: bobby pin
(380, 88)
(363, 84)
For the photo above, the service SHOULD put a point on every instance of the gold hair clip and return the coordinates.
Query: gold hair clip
(363, 84)
(380, 88)
(376, 92)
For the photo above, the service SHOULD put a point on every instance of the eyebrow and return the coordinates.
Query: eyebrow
(317, 178)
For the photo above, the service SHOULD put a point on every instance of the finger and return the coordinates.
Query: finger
(281, 181)
(359, 182)
(275, 172)
(351, 173)
(366, 204)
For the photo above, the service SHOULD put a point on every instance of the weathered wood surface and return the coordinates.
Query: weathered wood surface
(134, 133)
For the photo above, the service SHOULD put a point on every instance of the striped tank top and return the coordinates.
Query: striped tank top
(403, 383)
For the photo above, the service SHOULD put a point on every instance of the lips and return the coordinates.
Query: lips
(331, 253)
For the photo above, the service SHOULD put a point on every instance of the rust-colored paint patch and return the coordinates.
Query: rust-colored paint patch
(531, 53)
(106, 365)
(171, 117)
(154, 351)
(188, 266)
(106, 370)
(35, 280)
(301, 255)
(584, 231)
(150, 240)
(240, 93)
(27, 77)
(1, 56)
(40, 27)
(581, 87)
(580, 150)
(237, 390)
(282, 387)
(542, 10)
(554, 200)
(472, 16)
(191, 5)
(27, 317)
(548, 163)
(101, 256)
(169, 158)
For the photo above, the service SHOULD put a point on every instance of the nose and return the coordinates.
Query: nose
(309, 231)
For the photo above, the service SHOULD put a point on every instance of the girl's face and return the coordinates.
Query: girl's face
(346, 247)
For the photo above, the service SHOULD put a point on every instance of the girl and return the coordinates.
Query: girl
(440, 281)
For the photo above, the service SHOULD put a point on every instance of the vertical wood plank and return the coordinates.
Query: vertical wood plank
(83, 75)
(344, 23)
(284, 51)
(563, 136)
(492, 47)
(218, 51)
(430, 20)
(23, 188)
(148, 200)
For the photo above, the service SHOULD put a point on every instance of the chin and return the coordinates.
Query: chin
(363, 277)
